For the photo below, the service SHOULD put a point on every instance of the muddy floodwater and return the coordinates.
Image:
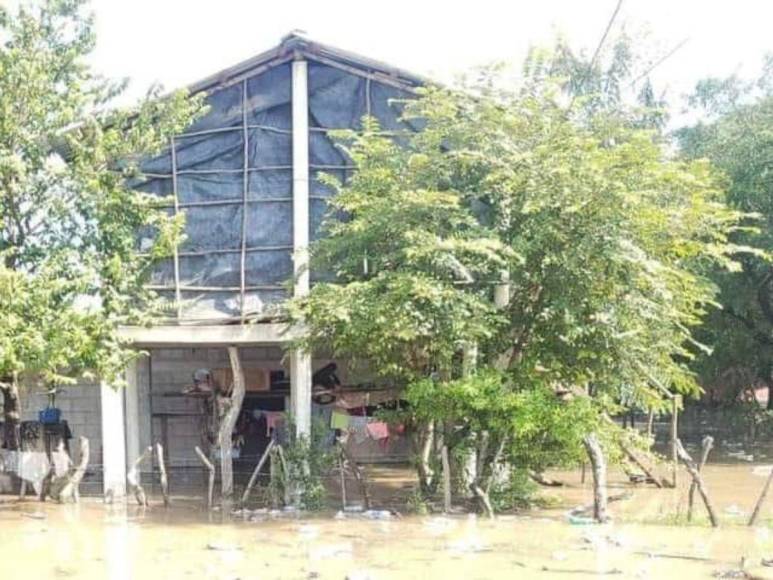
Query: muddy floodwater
(645, 540)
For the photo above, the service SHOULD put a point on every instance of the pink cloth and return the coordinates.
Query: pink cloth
(273, 420)
(378, 430)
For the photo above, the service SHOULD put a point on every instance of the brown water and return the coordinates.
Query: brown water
(107, 542)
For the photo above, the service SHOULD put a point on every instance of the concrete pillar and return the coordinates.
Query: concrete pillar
(300, 362)
(300, 177)
(143, 395)
(132, 413)
(300, 391)
(113, 441)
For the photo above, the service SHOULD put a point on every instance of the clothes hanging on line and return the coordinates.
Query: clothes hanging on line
(339, 420)
(274, 419)
(378, 430)
(359, 428)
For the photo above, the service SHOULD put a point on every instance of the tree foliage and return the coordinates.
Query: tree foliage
(70, 271)
(736, 135)
(603, 240)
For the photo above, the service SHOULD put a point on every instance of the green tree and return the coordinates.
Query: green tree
(71, 272)
(601, 240)
(736, 134)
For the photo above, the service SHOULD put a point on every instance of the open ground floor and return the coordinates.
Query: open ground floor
(163, 403)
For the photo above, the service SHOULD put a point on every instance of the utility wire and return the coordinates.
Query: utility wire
(660, 61)
(597, 52)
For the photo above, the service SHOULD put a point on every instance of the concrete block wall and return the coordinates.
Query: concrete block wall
(80, 405)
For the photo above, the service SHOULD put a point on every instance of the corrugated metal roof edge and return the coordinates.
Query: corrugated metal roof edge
(298, 44)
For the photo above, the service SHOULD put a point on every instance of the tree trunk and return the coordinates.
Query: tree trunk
(650, 422)
(426, 475)
(228, 417)
(769, 382)
(484, 500)
(446, 480)
(674, 438)
(486, 471)
(11, 412)
(599, 465)
(68, 486)
(359, 475)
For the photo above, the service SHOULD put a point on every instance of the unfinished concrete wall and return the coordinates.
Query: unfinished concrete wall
(80, 406)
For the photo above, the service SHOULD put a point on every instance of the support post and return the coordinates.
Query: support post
(300, 361)
(706, 445)
(254, 477)
(211, 482)
(300, 177)
(761, 499)
(113, 442)
(692, 469)
(162, 473)
(674, 438)
(132, 405)
(135, 478)
(300, 392)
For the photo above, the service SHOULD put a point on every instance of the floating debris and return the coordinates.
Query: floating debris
(367, 515)
(218, 547)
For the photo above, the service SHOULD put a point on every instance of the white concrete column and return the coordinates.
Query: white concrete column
(143, 396)
(132, 413)
(300, 391)
(113, 441)
(300, 362)
(300, 177)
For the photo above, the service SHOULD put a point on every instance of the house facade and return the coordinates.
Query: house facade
(247, 177)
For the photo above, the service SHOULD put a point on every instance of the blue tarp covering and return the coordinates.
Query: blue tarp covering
(211, 174)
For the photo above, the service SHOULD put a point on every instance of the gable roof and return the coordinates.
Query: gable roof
(296, 45)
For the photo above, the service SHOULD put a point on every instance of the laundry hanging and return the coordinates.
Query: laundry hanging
(339, 420)
(378, 430)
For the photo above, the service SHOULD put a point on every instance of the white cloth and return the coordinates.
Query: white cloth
(61, 463)
(33, 467)
(359, 427)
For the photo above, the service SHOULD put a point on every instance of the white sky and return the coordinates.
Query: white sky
(176, 42)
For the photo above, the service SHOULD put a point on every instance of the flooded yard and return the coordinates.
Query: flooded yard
(645, 540)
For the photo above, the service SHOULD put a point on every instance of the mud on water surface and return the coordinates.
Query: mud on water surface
(645, 540)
